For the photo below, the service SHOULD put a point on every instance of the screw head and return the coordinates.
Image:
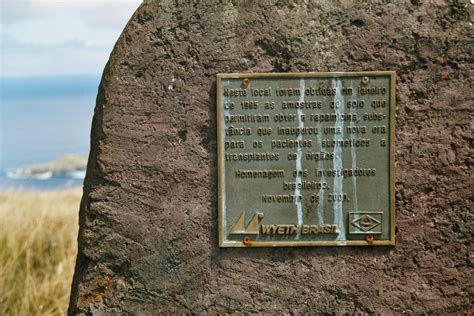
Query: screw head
(247, 241)
(369, 238)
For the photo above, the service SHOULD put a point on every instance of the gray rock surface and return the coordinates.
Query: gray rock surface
(148, 217)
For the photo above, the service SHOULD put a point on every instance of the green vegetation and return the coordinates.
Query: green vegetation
(38, 232)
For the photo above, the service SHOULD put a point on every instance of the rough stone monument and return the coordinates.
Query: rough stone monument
(149, 225)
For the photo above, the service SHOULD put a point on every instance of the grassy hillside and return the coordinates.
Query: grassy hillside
(38, 232)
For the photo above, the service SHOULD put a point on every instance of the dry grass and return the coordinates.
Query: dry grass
(38, 232)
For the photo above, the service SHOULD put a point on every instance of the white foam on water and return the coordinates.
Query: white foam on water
(78, 174)
(337, 162)
(299, 154)
(37, 176)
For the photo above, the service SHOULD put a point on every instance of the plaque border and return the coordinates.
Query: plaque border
(220, 152)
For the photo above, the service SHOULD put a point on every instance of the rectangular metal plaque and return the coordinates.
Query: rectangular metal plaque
(306, 159)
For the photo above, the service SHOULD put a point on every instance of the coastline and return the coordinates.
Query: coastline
(65, 172)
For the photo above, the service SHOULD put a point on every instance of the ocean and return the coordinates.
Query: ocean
(42, 119)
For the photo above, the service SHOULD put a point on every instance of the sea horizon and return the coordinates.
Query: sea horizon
(42, 119)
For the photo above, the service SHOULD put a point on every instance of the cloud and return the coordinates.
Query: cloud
(12, 11)
(99, 13)
(59, 36)
(62, 58)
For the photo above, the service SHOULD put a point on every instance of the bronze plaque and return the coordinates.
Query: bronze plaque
(306, 159)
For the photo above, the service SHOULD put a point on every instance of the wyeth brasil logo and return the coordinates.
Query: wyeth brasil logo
(254, 227)
(359, 223)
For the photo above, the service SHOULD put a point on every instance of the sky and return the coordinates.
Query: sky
(59, 37)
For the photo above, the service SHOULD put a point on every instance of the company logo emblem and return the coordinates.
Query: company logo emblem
(366, 222)
(252, 228)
